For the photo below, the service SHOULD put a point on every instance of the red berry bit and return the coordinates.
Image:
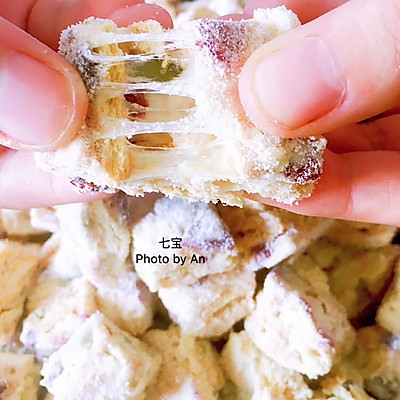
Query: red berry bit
(307, 173)
(196, 238)
(225, 41)
(86, 187)
(3, 386)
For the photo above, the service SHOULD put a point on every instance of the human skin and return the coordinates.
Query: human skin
(43, 101)
(336, 75)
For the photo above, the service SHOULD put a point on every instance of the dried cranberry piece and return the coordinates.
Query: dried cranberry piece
(307, 173)
(86, 186)
(194, 239)
(224, 41)
(3, 386)
(137, 98)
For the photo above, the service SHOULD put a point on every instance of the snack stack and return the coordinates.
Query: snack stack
(253, 316)
(258, 376)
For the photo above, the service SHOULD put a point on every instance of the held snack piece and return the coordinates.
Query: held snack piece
(179, 242)
(213, 304)
(55, 309)
(190, 367)
(257, 376)
(19, 264)
(164, 113)
(99, 362)
(298, 322)
(19, 377)
(265, 236)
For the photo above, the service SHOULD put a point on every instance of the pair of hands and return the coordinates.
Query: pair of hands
(340, 67)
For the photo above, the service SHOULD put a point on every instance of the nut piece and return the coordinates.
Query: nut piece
(99, 362)
(19, 377)
(298, 322)
(207, 247)
(213, 304)
(258, 376)
(190, 368)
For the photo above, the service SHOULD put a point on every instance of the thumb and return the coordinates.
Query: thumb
(43, 100)
(341, 68)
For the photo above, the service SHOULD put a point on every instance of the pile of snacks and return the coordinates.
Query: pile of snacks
(158, 298)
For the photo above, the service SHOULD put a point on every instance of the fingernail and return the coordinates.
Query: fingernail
(298, 84)
(36, 101)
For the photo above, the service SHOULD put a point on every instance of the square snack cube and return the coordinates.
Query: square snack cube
(97, 238)
(265, 235)
(129, 304)
(19, 377)
(194, 227)
(213, 304)
(190, 367)
(257, 376)
(19, 264)
(55, 309)
(357, 277)
(100, 361)
(298, 322)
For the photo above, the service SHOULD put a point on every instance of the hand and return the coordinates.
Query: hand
(43, 101)
(330, 76)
